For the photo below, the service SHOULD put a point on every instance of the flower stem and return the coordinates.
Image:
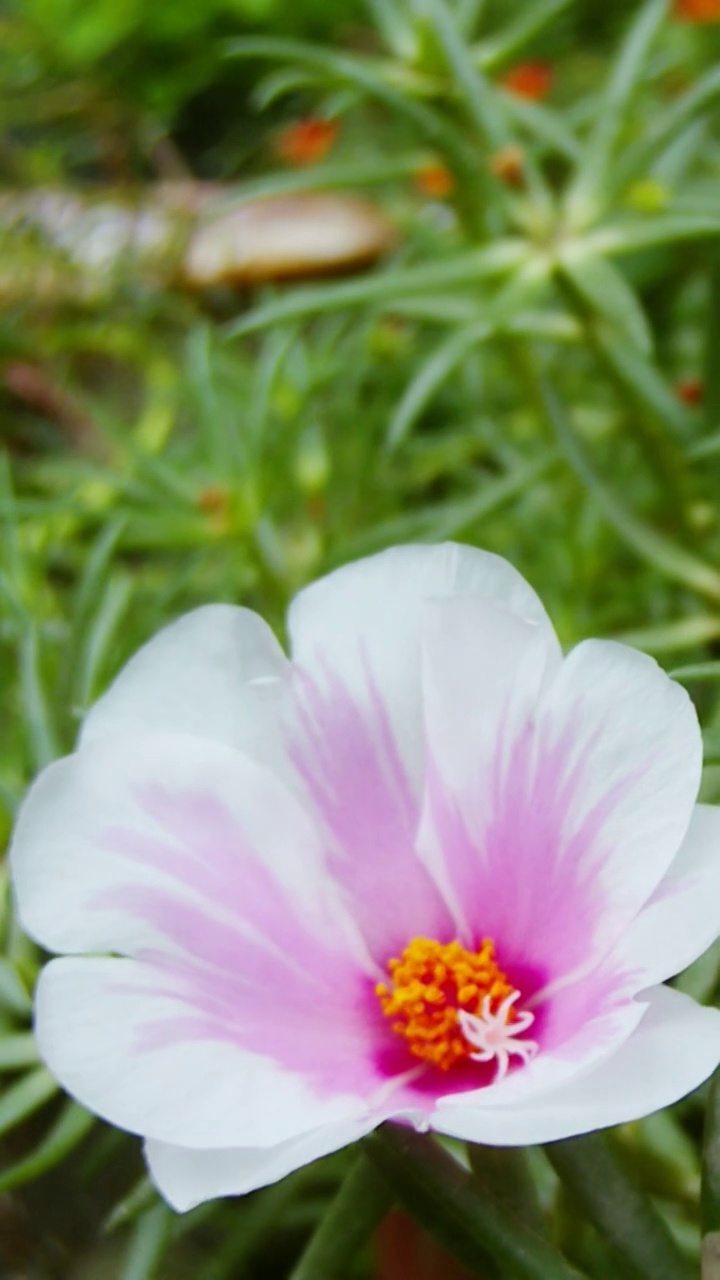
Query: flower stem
(711, 1160)
(503, 1173)
(358, 1208)
(444, 1197)
(624, 1215)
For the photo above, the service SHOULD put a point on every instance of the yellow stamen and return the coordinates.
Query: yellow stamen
(431, 983)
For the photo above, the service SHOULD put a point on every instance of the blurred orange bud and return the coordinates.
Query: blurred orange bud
(532, 80)
(697, 10)
(508, 165)
(435, 180)
(690, 391)
(307, 141)
(214, 499)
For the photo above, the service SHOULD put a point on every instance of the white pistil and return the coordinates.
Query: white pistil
(495, 1037)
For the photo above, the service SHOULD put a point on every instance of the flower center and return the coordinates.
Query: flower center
(451, 1005)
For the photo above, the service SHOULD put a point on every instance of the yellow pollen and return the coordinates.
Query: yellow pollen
(430, 984)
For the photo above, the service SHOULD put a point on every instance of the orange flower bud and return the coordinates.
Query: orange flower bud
(531, 80)
(697, 10)
(307, 141)
(435, 180)
(508, 165)
(690, 391)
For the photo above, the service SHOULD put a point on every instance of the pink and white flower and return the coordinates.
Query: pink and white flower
(427, 870)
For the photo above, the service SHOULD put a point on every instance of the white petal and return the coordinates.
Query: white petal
(99, 1025)
(674, 1049)
(682, 919)
(187, 1177)
(218, 673)
(555, 801)
(161, 812)
(365, 620)
(643, 747)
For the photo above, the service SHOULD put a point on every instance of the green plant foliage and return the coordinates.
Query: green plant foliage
(533, 368)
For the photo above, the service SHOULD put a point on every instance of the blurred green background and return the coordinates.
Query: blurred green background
(530, 363)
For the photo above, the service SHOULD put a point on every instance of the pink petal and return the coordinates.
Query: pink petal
(358, 737)
(100, 1025)
(367, 616)
(582, 791)
(675, 1047)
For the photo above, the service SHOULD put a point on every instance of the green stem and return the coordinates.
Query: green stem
(448, 1203)
(616, 1206)
(359, 1207)
(711, 1160)
(503, 1173)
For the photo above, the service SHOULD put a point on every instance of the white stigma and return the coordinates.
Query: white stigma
(495, 1037)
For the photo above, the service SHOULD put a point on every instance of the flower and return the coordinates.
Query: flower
(428, 870)
(697, 10)
(308, 141)
(434, 179)
(690, 391)
(531, 80)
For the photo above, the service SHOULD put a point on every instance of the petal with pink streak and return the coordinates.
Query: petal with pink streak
(674, 1049)
(367, 616)
(190, 818)
(578, 804)
(187, 856)
(356, 730)
(114, 1033)
(345, 753)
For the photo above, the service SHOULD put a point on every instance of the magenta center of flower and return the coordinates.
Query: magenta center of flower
(452, 1005)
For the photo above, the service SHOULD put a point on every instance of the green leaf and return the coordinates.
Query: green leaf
(337, 175)
(697, 671)
(25, 1097)
(67, 1132)
(616, 1206)
(449, 519)
(137, 1200)
(643, 382)
(711, 745)
(385, 287)
(101, 631)
(604, 290)
(711, 371)
(358, 1208)
(546, 128)
(373, 76)
(430, 377)
(13, 995)
(501, 312)
(710, 1195)
(666, 126)
(148, 1244)
(590, 188)
(445, 1199)
(672, 560)
(482, 102)
(18, 1051)
(39, 718)
(635, 234)
(497, 51)
(394, 28)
